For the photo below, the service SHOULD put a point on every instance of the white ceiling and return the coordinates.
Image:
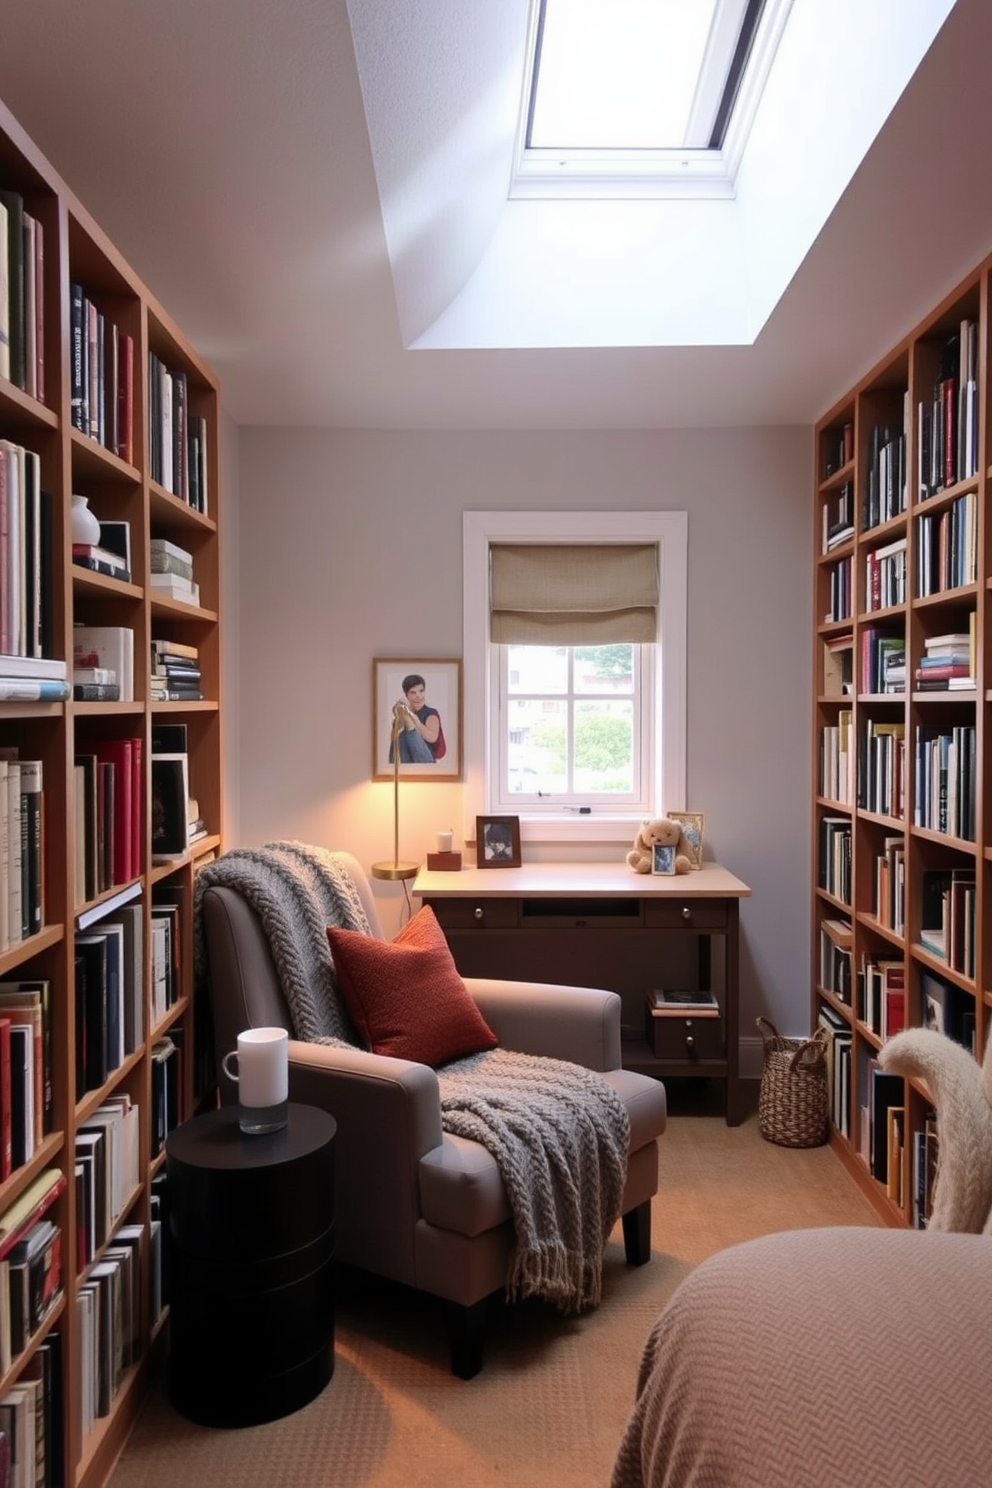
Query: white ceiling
(222, 145)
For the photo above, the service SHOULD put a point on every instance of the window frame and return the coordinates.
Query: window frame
(641, 696)
(668, 530)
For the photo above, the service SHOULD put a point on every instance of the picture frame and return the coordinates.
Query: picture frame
(438, 687)
(691, 823)
(497, 842)
(663, 859)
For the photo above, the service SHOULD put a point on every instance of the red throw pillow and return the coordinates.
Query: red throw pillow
(405, 996)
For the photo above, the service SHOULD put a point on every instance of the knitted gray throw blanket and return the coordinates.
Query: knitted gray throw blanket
(296, 891)
(558, 1132)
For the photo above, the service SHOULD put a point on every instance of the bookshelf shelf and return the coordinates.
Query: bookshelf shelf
(913, 878)
(105, 398)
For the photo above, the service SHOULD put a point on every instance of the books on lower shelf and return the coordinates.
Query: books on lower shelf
(110, 646)
(175, 672)
(170, 805)
(22, 839)
(667, 1001)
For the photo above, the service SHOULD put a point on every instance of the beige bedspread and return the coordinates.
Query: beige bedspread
(821, 1359)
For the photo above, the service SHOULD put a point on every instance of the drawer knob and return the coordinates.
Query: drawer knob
(689, 1041)
(686, 912)
(480, 913)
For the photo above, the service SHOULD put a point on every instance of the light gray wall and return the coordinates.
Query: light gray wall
(349, 547)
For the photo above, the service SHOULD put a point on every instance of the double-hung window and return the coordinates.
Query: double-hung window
(575, 669)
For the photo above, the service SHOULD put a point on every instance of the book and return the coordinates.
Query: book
(26, 690)
(14, 204)
(170, 792)
(100, 560)
(109, 646)
(32, 848)
(32, 1202)
(173, 587)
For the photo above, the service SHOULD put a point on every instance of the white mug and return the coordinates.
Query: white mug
(262, 1078)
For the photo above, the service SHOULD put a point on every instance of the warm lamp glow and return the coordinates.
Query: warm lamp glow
(396, 869)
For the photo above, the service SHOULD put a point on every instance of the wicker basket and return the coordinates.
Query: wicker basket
(794, 1102)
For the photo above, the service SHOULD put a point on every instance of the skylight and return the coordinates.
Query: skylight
(642, 95)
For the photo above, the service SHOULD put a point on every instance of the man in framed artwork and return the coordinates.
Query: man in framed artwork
(421, 737)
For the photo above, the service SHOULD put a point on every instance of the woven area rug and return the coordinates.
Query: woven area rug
(554, 1392)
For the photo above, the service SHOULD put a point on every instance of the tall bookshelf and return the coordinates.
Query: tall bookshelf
(123, 483)
(901, 741)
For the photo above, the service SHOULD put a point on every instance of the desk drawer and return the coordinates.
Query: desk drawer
(674, 1036)
(685, 914)
(476, 914)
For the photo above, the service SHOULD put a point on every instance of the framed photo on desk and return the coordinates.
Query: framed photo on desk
(497, 841)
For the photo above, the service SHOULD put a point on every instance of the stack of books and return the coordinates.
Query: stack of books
(946, 665)
(171, 572)
(175, 672)
(665, 1001)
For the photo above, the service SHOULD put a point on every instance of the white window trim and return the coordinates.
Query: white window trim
(669, 530)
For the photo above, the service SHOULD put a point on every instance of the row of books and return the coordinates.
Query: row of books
(25, 1070)
(883, 661)
(885, 489)
(22, 298)
(32, 1422)
(838, 517)
(885, 575)
(948, 662)
(838, 1060)
(106, 1172)
(167, 1109)
(109, 805)
(947, 547)
(25, 558)
(101, 376)
(109, 995)
(882, 767)
(838, 449)
(882, 1126)
(841, 599)
(835, 958)
(22, 807)
(31, 1262)
(889, 898)
(836, 782)
(881, 994)
(947, 919)
(108, 1313)
(945, 785)
(177, 446)
(834, 875)
(948, 419)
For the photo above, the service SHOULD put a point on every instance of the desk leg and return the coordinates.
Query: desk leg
(735, 1113)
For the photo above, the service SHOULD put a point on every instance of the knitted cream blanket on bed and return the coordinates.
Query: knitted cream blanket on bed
(558, 1132)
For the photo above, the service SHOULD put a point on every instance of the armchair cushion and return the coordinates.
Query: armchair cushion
(405, 996)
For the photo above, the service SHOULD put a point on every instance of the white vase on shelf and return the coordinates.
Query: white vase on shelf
(85, 524)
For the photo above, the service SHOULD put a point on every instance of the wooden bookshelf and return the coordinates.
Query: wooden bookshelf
(121, 465)
(901, 820)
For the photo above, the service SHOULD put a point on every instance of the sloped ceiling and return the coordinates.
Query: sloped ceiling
(224, 149)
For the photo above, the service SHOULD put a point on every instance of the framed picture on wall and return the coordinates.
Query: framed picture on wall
(497, 842)
(417, 709)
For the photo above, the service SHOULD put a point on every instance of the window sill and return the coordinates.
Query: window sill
(577, 827)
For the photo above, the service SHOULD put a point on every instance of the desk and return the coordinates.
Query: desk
(602, 925)
(251, 1218)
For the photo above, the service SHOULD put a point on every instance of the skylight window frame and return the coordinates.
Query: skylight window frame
(696, 171)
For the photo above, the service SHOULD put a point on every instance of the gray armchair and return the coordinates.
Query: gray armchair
(413, 1203)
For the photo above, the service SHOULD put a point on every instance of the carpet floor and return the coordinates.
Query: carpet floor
(550, 1403)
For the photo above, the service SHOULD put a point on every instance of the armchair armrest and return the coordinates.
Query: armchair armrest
(388, 1115)
(581, 1024)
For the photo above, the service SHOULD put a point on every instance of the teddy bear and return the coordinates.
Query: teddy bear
(660, 831)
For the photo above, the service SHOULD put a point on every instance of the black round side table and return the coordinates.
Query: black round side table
(251, 1220)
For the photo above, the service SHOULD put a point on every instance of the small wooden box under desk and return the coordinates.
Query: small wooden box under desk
(603, 925)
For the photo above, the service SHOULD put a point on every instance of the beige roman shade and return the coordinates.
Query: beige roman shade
(589, 594)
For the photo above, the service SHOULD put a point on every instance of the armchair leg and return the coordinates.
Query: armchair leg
(467, 1326)
(637, 1234)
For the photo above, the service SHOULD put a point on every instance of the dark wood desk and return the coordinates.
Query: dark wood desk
(602, 925)
(251, 1316)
